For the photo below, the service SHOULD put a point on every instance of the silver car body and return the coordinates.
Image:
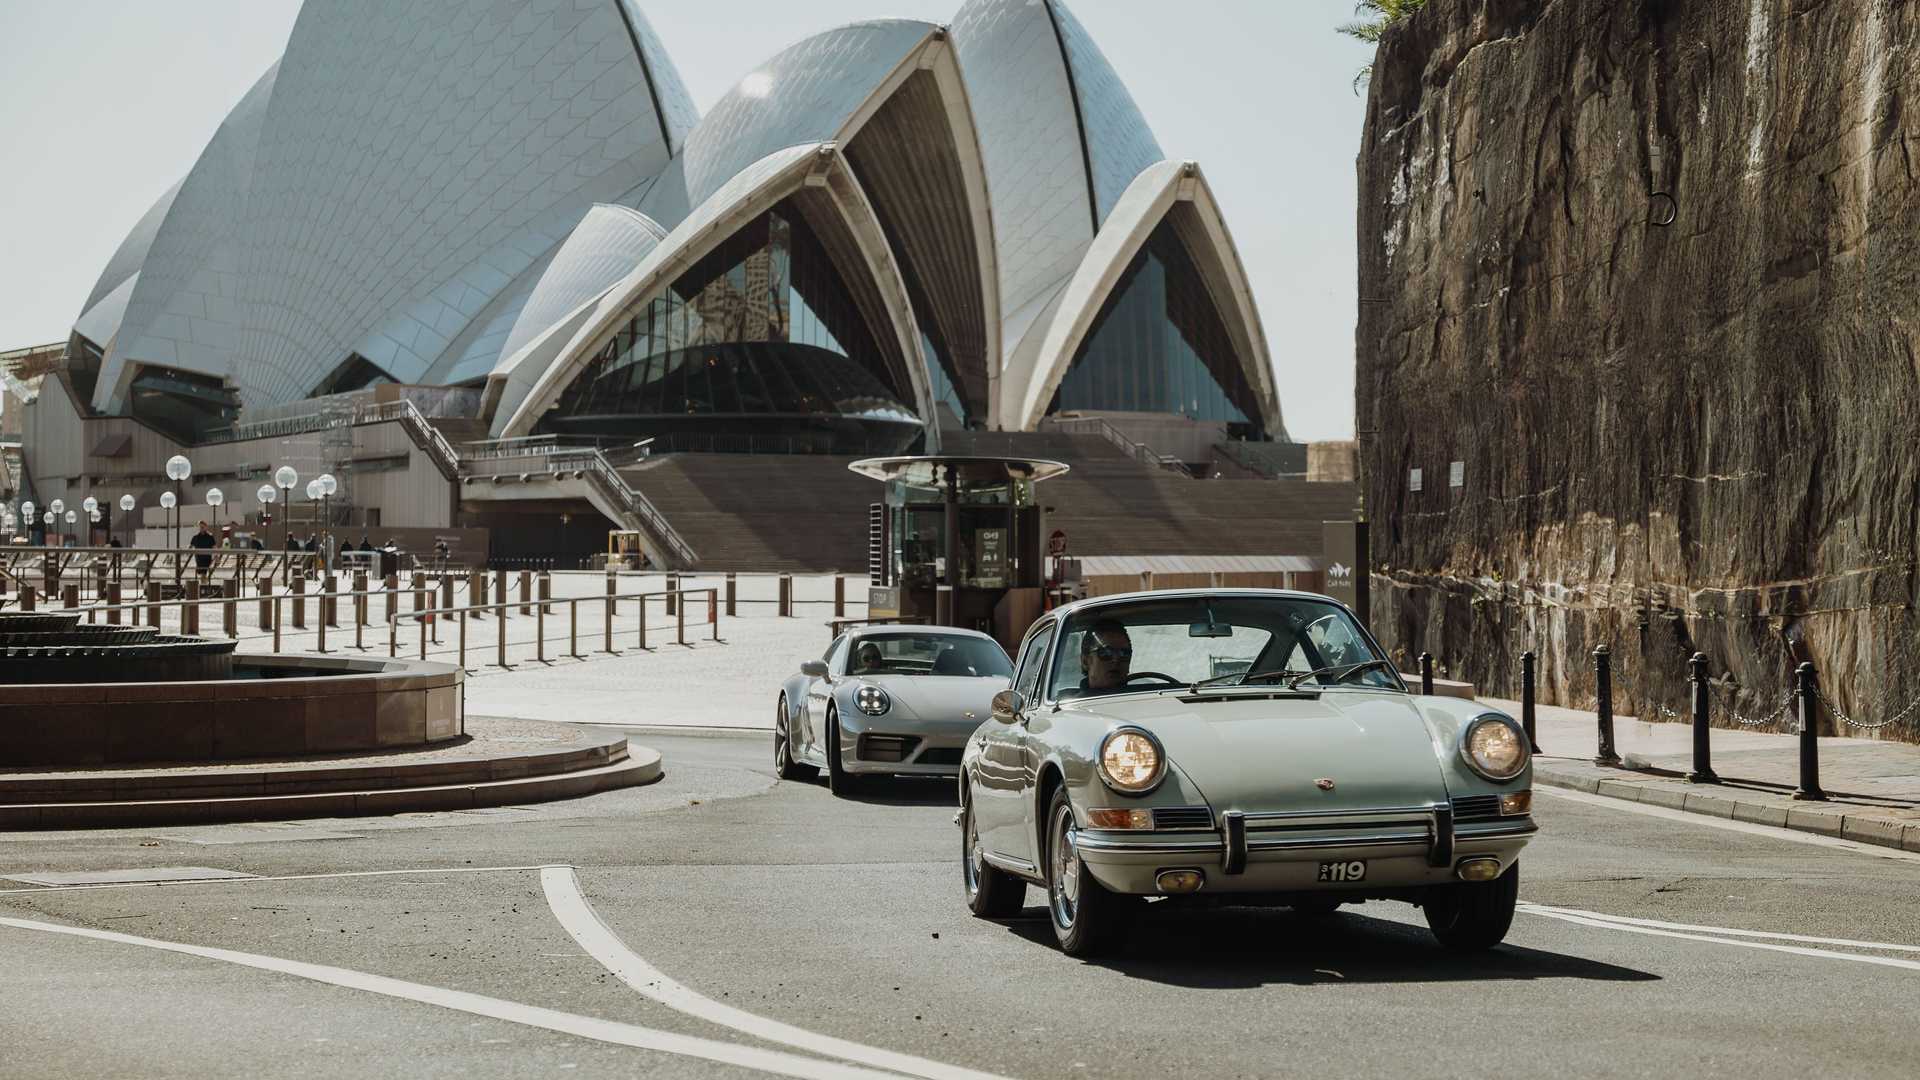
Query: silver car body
(1261, 787)
(924, 730)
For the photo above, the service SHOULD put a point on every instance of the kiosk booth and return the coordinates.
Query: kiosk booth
(959, 541)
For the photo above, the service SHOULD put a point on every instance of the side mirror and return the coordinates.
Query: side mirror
(1008, 705)
(814, 669)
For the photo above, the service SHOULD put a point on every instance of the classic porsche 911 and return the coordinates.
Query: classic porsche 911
(1242, 747)
(887, 700)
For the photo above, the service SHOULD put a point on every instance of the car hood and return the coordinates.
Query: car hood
(1265, 754)
(937, 697)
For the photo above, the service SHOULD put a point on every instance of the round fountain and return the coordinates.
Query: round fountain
(82, 694)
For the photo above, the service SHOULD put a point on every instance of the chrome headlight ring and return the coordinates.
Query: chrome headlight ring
(1152, 745)
(872, 700)
(1489, 740)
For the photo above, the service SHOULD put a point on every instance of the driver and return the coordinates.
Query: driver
(866, 659)
(1106, 658)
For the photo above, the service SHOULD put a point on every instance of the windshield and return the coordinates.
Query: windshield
(1153, 643)
(929, 654)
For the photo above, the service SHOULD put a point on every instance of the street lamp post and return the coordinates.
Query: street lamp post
(328, 485)
(126, 507)
(70, 521)
(178, 470)
(92, 506)
(168, 500)
(26, 517)
(46, 527)
(214, 498)
(265, 493)
(58, 507)
(284, 479)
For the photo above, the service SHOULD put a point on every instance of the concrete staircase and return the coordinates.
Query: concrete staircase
(770, 512)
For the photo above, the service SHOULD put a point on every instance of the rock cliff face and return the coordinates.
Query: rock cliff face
(1650, 271)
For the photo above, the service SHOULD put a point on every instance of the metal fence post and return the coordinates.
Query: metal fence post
(275, 601)
(1603, 694)
(463, 639)
(190, 606)
(643, 622)
(330, 603)
(1807, 689)
(613, 586)
(26, 598)
(839, 596)
(1426, 673)
(320, 640)
(673, 593)
(300, 603)
(500, 626)
(713, 612)
(153, 604)
(526, 590)
(1702, 750)
(607, 615)
(1527, 719)
(391, 583)
(70, 596)
(546, 593)
(786, 596)
(732, 582)
(573, 629)
(113, 599)
(680, 618)
(500, 593)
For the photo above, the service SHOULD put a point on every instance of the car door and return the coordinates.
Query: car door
(819, 696)
(1000, 805)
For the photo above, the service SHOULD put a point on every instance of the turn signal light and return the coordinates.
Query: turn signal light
(1478, 869)
(1179, 881)
(1113, 818)
(1519, 802)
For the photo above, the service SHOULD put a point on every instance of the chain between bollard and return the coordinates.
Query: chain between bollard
(1862, 725)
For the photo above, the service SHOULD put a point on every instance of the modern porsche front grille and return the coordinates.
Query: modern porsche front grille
(887, 747)
(941, 755)
(1476, 807)
(1182, 817)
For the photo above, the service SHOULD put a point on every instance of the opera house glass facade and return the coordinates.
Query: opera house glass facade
(889, 229)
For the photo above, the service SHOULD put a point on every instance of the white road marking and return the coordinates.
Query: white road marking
(283, 877)
(1541, 909)
(1748, 827)
(1796, 950)
(578, 918)
(586, 1027)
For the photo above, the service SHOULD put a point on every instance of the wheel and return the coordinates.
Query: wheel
(1086, 917)
(1316, 909)
(1473, 915)
(992, 893)
(783, 762)
(839, 780)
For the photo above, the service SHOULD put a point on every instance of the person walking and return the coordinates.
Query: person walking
(202, 543)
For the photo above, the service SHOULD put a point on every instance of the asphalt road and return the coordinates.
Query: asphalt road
(721, 924)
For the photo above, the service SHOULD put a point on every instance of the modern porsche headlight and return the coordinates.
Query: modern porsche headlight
(1494, 747)
(1131, 761)
(872, 700)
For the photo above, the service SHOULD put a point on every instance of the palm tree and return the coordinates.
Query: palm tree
(1378, 16)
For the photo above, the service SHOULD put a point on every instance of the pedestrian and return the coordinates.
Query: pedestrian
(440, 553)
(202, 542)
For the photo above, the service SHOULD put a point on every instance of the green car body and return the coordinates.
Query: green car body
(1306, 797)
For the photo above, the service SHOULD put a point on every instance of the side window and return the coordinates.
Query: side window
(1032, 661)
(836, 656)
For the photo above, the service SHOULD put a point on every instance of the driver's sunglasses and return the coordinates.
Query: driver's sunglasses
(1113, 652)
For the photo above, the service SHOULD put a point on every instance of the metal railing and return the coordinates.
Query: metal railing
(427, 617)
(1138, 451)
(600, 472)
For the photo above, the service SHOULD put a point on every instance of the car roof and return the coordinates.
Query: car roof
(1092, 602)
(917, 628)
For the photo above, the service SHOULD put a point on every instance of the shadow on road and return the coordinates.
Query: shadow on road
(1237, 948)
(904, 791)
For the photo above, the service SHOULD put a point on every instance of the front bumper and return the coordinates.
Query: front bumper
(1403, 847)
(887, 746)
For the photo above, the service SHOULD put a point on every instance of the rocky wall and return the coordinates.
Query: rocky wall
(1649, 271)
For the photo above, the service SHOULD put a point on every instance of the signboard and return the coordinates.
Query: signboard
(1415, 481)
(990, 558)
(1057, 543)
(1457, 474)
(883, 602)
(1344, 558)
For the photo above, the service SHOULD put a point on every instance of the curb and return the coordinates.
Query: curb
(631, 768)
(1734, 803)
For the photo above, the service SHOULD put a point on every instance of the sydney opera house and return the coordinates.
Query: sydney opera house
(513, 218)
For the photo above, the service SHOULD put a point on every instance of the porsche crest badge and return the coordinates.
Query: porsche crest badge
(1325, 783)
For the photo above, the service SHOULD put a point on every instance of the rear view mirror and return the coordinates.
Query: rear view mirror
(1209, 629)
(1008, 705)
(814, 669)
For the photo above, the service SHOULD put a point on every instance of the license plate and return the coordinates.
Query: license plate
(1355, 870)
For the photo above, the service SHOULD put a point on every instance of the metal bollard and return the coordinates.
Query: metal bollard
(731, 595)
(1527, 719)
(446, 592)
(360, 598)
(70, 597)
(1426, 673)
(500, 626)
(607, 612)
(330, 603)
(540, 633)
(1603, 693)
(499, 592)
(153, 604)
(1807, 690)
(573, 630)
(463, 639)
(613, 586)
(1702, 750)
(839, 597)
(26, 598)
(300, 603)
(526, 591)
(786, 596)
(230, 613)
(275, 601)
(266, 603)
(392, 586)
(190, 607)
(713, 612)
(673, 593)
(680, 620)
(113, 601)
(546, 594)
(643, 622)
(321, 622)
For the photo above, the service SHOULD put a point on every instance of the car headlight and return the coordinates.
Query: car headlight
(872, 700)
(1131, 761)
(1494, 747)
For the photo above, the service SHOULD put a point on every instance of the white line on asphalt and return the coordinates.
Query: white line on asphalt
(1541, 909)
(1748, 827)
(578, 918)
(283, 877)
(608, 1031)
(1797, 950)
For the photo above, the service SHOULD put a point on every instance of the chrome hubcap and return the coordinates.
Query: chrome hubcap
(971, 856)
(780, 737)
(1065, 859)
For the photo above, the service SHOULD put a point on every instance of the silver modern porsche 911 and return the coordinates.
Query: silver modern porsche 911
(887, 700)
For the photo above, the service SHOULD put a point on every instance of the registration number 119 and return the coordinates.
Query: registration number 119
(1356, 870)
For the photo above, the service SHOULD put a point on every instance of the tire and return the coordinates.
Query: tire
(991, 893)
(1473, 915)
(1086, 918)
(839, 780)
(783, 762)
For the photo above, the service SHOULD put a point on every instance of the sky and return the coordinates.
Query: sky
(109, 102)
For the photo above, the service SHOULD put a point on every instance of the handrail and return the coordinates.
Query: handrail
(630, 497)
(499, 608)
(1138, 451)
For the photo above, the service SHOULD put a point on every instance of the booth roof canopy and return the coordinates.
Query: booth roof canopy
(1118, 565)
(973, 471)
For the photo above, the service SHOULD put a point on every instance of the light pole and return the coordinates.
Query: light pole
(178, 470)
(92, 506)
(214, 498)
(168, 500)
(265, 493)
(328, 485)
(26, 517)
(126, 507)
(46, 523)
(70, 521)
(284, 479)
(59, 507)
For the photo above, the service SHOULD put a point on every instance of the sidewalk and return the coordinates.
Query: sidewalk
(1873, 787)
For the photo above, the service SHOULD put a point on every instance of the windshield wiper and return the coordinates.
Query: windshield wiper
(1248, 676)
(1341, 672)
